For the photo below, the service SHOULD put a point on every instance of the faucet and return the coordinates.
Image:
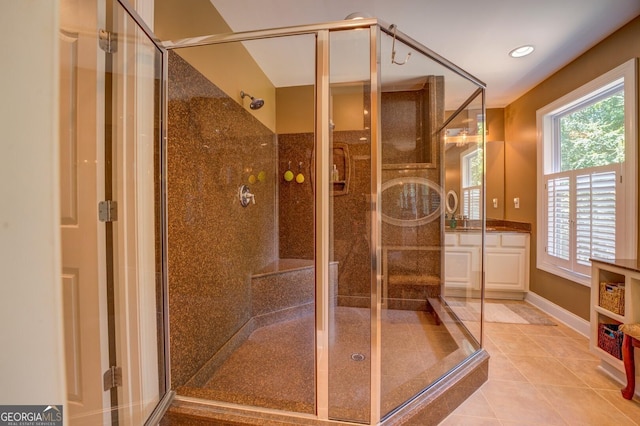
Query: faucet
(245, 195)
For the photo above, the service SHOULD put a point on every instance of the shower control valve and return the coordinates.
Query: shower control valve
(245, 195)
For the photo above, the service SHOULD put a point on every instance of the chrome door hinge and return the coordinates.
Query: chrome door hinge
(107, 211)
(107, 41)
(112, 378)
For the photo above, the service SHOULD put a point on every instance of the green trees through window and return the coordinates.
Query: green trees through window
(593, 135)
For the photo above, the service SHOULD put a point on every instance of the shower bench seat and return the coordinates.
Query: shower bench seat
(442, 316)
(286, 286)
(410, 275)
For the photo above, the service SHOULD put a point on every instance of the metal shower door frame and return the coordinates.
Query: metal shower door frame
(166, 393)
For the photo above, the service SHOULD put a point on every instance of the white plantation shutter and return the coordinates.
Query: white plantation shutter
(595, 216)
(471, 202)
(581, 216)
(558, 216)
(471, 170)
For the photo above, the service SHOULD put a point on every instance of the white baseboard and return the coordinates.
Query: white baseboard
(569, 319)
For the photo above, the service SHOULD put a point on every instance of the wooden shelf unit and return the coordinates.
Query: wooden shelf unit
(614, 271)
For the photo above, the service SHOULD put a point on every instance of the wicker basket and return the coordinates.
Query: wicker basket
(610, 339)
(612, 297)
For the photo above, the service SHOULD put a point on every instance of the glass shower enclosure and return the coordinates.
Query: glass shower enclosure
(307, 223)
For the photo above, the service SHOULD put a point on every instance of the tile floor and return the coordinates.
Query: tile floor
(543, 375)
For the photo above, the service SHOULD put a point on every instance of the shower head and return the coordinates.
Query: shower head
(256, 103)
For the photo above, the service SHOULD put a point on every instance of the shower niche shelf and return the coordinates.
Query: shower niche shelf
(342, 161)
(339, 187)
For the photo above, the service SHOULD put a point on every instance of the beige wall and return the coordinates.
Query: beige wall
(495, 124)
(295, 109)
(520, 151)
(32, 361)
(347, 107)
(229, 66)
(495, 164)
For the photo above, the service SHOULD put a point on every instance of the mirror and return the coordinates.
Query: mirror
(458, 141)
(494, 175)
(411, 201)
(452, 201)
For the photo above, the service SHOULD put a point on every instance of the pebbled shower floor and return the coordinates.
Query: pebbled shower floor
(275, 366)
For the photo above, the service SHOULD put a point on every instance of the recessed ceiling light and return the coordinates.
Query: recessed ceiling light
(521, 51)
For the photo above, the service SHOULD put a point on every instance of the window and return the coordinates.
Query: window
(471, 161)
(587, 175)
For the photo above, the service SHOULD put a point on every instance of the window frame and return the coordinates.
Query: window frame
(626, 216)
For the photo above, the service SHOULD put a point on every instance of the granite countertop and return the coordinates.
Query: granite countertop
(629, 264)
(489, 229)
(491, 226)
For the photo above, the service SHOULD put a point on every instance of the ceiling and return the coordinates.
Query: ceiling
(475, 35)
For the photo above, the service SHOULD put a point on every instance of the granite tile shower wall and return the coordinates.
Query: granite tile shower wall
(414, 271)
(214, 244)
(412, 255)
(351, 214)
(295, 199)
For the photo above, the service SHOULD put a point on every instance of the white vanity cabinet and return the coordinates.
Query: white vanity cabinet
(462, 262)
(506, 264)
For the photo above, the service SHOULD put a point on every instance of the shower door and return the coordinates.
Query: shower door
(241, 184)
(422, 338)
(351, 180)
(109, 151)
(132, 169)
(270, 294)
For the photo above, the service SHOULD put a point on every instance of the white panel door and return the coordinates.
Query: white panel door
(81, 180)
